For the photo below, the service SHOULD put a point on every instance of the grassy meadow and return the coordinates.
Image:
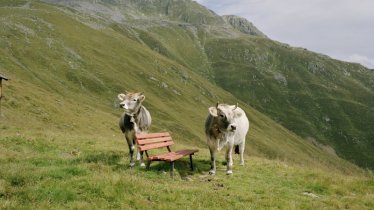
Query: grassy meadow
(91, 172)
(61, 147)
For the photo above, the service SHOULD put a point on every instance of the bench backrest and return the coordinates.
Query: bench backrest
(148, 141)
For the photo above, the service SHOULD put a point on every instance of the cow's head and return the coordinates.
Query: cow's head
(131, 101)
(224, 116)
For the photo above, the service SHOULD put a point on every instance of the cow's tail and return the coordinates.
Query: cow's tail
(236, 149)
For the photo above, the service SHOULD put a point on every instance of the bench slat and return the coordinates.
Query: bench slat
(151, 135)
(187, 151)
(167, 157)
(180, 154)
(162, 156)
(155, 146)
(171, 156)
(154, 140)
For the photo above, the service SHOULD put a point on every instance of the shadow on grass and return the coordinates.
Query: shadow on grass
(114, 159)
(181, 167)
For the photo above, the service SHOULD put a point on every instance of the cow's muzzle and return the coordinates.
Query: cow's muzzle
(123, 105)
(232, 127)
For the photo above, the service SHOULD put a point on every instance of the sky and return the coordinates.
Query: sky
(341, 29)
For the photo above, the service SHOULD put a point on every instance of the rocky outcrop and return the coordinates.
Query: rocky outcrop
(243, 25)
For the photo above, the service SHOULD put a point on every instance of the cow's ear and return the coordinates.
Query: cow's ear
(213, 111)
(121, 96)
(141, 98)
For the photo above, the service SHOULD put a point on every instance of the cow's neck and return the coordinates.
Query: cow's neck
(135, 115)
(216, 131)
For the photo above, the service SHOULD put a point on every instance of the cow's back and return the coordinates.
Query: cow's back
(145, 119)
(242, 124)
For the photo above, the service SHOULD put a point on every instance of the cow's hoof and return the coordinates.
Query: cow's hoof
(132, 165)
(142, 164)
(229, 172)
(241, 163)
(212, 172)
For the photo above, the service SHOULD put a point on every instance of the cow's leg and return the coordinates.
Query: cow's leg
(212, 161)
(229, 159)
(131, 149)
(139, 154)
(131, 154)
(141, 159)
(241, 152)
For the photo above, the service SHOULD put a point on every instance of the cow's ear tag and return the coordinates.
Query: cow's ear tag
(213, 111)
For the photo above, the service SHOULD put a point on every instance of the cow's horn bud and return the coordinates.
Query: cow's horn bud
(236, 106)
(217, 104)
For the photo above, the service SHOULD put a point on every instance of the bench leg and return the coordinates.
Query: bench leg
(172, 168)
(191, 162)
(148, 164)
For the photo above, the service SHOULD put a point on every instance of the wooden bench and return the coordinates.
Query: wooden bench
(150, 141)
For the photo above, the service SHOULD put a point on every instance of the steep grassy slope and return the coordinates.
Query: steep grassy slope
(60, 145)
(312, 95)
(319, 98)
(65, 77)
(324, 100)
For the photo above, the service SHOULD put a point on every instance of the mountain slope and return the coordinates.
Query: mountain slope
(314, 96)
(326, 101)
(61, 147)
(65, 76)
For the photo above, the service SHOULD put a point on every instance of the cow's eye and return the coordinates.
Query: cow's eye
(222, 116)
(134, 99)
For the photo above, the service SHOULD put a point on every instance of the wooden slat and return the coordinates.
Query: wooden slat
(171, 156)
(151, 135)
(153, 140)
(155, 146)
(186, 151)
(160, 156)
(179, 154)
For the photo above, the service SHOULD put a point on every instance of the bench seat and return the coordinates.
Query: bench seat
(172, 156)
(151, 141)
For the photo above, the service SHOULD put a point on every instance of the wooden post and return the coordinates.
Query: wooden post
(1, 92)
(1, 89)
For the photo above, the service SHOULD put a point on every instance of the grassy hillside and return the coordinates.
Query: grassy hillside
(65, 77)
(60, 145)
(88, 172)
(321, 99)
(314, 96)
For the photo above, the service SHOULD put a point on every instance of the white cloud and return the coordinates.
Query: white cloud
(338, 28)
(356, 58)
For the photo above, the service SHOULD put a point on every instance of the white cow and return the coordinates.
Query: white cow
(226, 125)
(135, 119)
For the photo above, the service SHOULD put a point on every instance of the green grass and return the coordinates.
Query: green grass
(310, 94)
(48, 172)
(69, 84)
(61, 148)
